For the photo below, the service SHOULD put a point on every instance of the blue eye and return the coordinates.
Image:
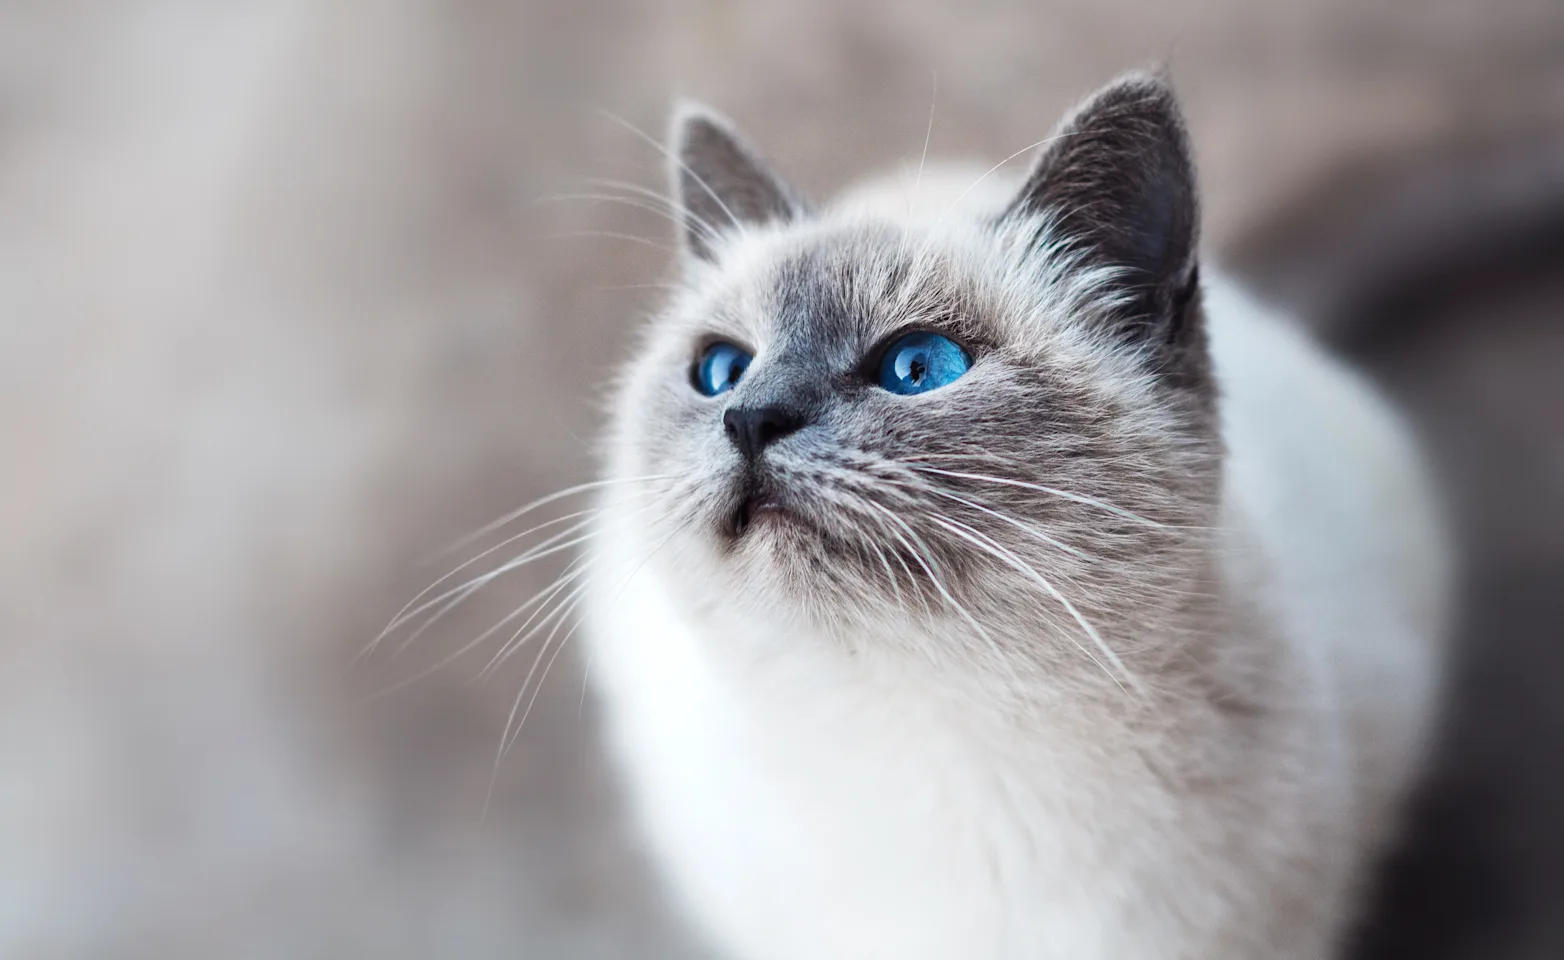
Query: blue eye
(720, 367)
(920, 362)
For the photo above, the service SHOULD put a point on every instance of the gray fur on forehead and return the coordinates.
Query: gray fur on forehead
(848, 283)
(861, 282)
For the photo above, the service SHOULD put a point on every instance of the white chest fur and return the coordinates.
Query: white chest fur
(823, 807)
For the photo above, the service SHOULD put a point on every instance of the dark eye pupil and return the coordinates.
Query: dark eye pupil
(721, 367)
(922, 361)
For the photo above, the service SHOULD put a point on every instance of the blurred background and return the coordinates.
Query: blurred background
(293, 295)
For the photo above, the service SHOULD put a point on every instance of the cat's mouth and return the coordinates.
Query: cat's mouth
(760, 504)
(757, 506)
(773, 517)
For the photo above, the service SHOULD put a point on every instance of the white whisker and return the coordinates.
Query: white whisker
(934, 231)
(925, 564)
(999, 515)
(507, 738)
(684, 167)
(1054, 491)
(989, 545)
(551, 498)
(634, 203)
(928, 134)
(471, 644)
(611, 235)
(533, 626)
(560, 542)
(413, 608)
(669, 206)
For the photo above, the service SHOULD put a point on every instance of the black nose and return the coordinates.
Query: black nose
(751, 429)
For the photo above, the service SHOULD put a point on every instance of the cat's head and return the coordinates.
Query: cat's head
(996, 415)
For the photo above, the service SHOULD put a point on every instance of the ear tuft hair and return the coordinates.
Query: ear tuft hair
(720, 182)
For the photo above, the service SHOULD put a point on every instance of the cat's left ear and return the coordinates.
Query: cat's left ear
(1116, 183)
(720, 183)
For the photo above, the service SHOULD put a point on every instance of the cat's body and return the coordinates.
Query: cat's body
(944, 762)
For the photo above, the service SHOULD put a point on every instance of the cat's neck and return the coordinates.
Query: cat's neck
(1194, 650)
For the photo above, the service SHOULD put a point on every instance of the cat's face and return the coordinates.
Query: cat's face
(867, 421)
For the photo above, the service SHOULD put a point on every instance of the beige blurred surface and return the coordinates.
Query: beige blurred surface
(289, 301)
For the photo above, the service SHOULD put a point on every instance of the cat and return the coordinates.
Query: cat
(978, 577)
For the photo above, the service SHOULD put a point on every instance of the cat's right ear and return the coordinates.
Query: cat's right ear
(1117, 184)
(720, 183)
